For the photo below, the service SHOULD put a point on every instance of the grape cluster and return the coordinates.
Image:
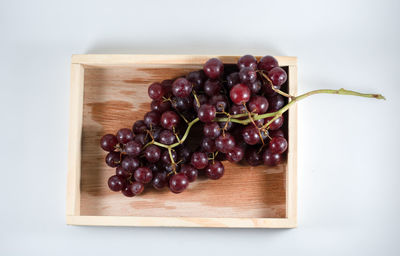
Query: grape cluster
(234, 109)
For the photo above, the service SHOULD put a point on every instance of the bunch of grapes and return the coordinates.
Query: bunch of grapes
(234, 109)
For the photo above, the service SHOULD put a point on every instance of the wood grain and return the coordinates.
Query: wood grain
(114, 96)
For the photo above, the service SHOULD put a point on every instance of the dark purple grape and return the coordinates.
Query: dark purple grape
(156, 91)
(206, 113)
(156, 131)
(199, 160)
(126, 191)
(152, 153)
(167, 137)
(240, 94)
(251, 135)
(152, 119)
(276, 124)
(225, 143)
(133, 148)
(236, 154)
(276, 133)
(267, 63)
(215, 170)
(267, 89)
(253, 157)
(142, 138)
(178, 183)
(130, 163)
(213, 68)
(139, 127)
(277, 145)
(255, 87)
(136, 188)
(189, 171)
(201, 99)
(167, 87)
(258, 104)
(247, 61)
(278, 76)
(108, 142)
(184, 154)
(124, 135)
(181, 88)
(211, 130)
(276, 102)
(169, 120)
(113, 159)
(116, 183)
(159, 180)
(270, 158)
(247, 75)
(197, 79)
(182, 104)
(165, 158)
(143, 175)
(208, 145)
(160, 106)
(154, 167)
(122, 172)
(238, 109)
(220, 102)
(212, 87)
(233, 79)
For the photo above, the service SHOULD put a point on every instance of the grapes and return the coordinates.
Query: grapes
(276, 124)
(258, 104)
(124, 135)
(247, 75)
(152, 119)
(130, 163)
(213, 68)
(133, 148)
(156, 91)
(267, 63)
(188, 121)
(215, 170)
(278, 76)
(152, 153)
(211, 130)
(181, 88)
(116, 183)
(169, 120)
(206, 113)
(160, 106)
(277, 145)
(178, 183)
(136, 188)
(199, 160)
(108, 142)
(251, 135)
(276, 102)
(270, 158)
(197, 79)
(189, 171)
(113, 159)
(139, 127)
(247, 61)
(225, 143)
(236, 154)
(159, 180)
(212, 87)
(233, 79)
(167, 137)
(143, 175)
(240, 93)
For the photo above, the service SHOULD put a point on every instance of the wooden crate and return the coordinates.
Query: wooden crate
(109, 92)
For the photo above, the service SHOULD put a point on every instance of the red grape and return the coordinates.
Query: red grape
(212, 87)
(116, 183)
(189, 171)
(169, 120)
(152, 119)
(178, 183)
(139, 127)
(213, 68)
(247, 61)
(251, 135)
(167, 137)
(225, 143)
(197, 79)
(276, 102)
(247, 75)
(211, 130)
(253, 157)
(136, 188)
(267, 63)
(181, 88)
(199, 160)
(206, 113)
(143, 175)
(208, 145)
(236, 154)
(258, 104)
(156, 91)
(113, 159)
(215, 170)
(270, 158)
(108, 142)
(159, 180)
(152, 153)
(233, 79)
(277, 145)
(278, 76)
(130, 163)
(240, 93)
(276, 124)
(160, 106)
(120, 171)
(133, 148)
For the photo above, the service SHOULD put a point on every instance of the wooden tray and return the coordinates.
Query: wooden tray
(109, 92)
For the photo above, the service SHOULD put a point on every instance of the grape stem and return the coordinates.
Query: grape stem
(254, 116)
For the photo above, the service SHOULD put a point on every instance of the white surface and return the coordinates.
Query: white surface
(348, 155)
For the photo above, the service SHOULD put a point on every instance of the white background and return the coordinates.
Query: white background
(348, 147)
